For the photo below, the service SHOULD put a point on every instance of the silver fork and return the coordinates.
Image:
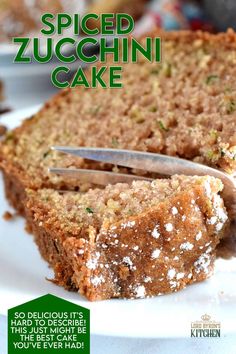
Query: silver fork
(152, 162)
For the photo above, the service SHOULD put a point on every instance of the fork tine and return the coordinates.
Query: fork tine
(152, 162)
(127, 158)
(97, 177)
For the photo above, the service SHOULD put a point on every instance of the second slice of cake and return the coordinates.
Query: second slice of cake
(130, 241)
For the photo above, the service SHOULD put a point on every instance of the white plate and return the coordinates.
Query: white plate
(23, 273)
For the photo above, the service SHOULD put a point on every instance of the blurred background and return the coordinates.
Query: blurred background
(27, 85)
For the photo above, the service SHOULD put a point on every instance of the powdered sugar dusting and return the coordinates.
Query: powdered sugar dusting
(199, 235)
(140, 291)
(155, 232)
(174, 211)
(155, 254)
(207, 187)
(93, 262)
(180, 276)
(220, 212)
(97, 280)
(212, 220)
(186, 246)
(219, 226)
(173, 284)
(169, 227)
(147, 280)
(128, 261)
(202, 264)
(171, 273)
(128, 224)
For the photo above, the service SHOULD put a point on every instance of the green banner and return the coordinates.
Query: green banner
(48, 324)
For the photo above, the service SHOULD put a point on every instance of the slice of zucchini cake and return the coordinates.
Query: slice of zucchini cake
(130, 241)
